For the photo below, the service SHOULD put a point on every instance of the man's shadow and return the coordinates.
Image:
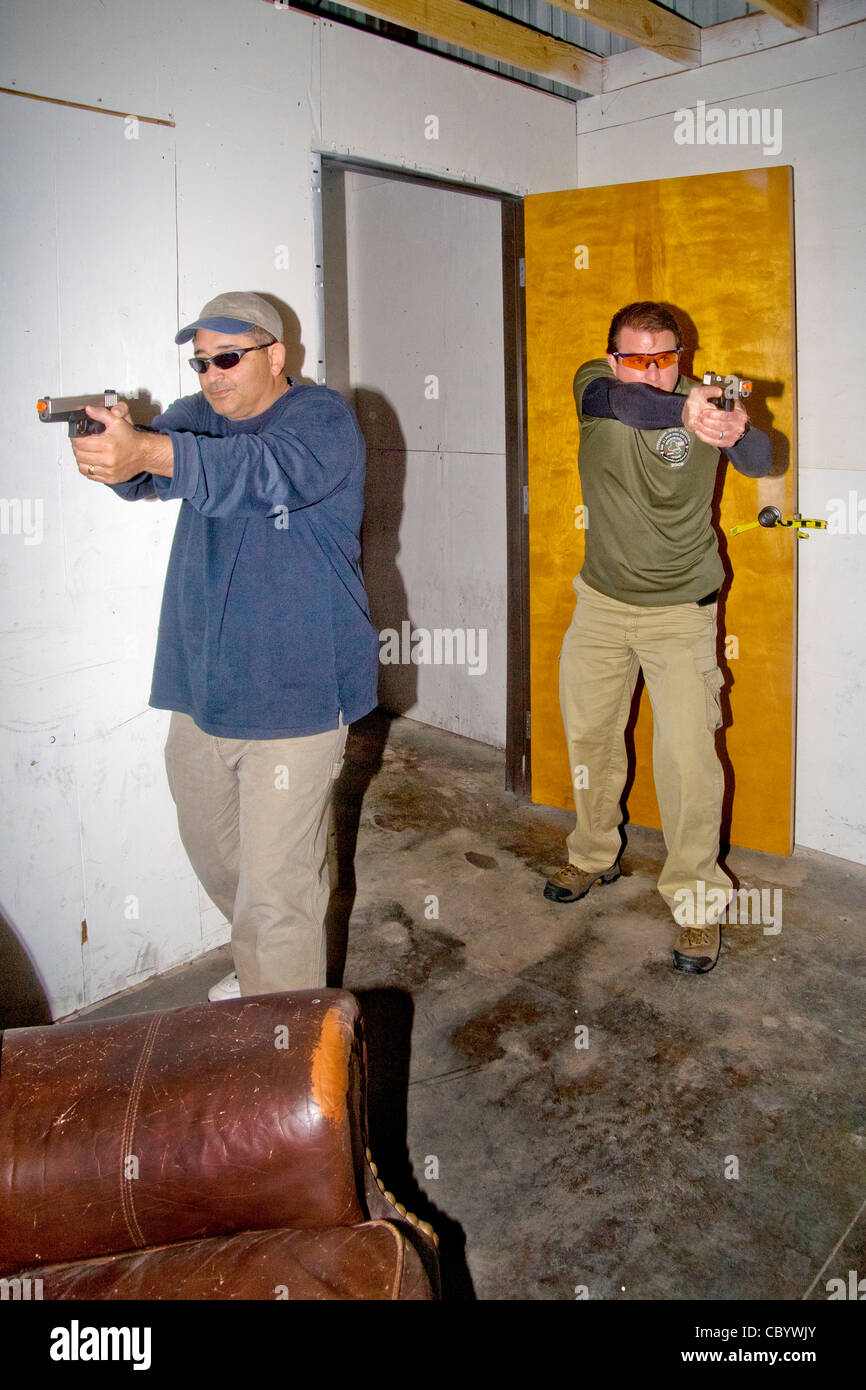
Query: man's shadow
(388, 1016)
(398, 681)
(387, 1013)
(380, 545)
(23, 999)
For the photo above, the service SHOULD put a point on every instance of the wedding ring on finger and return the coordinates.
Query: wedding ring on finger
(90, 467)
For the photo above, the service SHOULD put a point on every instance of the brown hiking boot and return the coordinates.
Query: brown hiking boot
(696, 949)
(570, 883)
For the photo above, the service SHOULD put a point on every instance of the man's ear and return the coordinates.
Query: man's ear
(611, 362)
(277, 357)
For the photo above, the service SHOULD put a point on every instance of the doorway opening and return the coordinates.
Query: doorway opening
(422, 330)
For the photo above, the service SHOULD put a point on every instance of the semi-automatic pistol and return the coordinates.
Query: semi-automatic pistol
(734, 388)
(56, 410)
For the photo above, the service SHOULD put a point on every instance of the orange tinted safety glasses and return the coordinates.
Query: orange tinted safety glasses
(641, 361)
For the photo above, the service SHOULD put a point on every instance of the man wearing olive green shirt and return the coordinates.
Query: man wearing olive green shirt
(650, 442)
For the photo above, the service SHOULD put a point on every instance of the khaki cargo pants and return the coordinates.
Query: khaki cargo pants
(675, 647)
(253, 818)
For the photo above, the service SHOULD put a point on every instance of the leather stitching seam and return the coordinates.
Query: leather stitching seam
(129, 1119)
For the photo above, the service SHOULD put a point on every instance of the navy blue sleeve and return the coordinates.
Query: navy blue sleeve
(252, 474)
(180, 415)
(134, 489)
(633, 403)
(752, 455)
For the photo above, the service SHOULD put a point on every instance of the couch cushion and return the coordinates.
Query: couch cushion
(372, 1261)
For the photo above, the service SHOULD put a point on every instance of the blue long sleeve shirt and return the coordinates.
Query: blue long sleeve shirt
(265, 629)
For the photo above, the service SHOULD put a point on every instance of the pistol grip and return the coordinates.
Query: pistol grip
(81, 424)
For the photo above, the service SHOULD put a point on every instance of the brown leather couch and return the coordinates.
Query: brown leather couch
(210, 1152)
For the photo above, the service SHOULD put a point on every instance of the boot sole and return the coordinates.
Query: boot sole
(562, 895)
(688, 965)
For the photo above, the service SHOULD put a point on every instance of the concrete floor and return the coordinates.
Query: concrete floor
(708, 1142)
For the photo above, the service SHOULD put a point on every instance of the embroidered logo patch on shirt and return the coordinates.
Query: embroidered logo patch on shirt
(673, 446)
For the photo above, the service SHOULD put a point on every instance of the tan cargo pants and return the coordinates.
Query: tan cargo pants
(675, 647)
(253, 818)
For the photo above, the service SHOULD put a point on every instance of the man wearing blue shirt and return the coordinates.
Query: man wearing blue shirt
(266, 651)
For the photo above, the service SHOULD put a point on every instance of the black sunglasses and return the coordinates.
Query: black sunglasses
(224, 360)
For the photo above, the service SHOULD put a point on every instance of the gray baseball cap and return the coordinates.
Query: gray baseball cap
(235, 312)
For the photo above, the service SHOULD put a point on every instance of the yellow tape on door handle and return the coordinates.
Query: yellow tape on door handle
(769, 517)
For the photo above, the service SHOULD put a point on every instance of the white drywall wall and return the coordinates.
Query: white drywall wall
(831, 638)
(87, 302)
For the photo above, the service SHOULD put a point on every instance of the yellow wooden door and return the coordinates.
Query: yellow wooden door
(716, 248)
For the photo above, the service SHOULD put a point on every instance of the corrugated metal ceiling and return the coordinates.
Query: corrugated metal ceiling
(547, 19)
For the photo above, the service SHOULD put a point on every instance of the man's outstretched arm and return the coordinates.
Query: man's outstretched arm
(644, 407)
(635, 404)
(752, 455)
(245, 474)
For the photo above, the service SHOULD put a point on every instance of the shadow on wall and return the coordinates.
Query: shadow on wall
(380, 542)
(292, 337)
(757, 405)
(398, 683)
(23, 1001)
(761, 417)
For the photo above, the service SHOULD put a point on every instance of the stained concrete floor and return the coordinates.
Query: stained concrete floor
(709, 1139)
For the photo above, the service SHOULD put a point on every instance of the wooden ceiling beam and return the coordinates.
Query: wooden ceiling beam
(645, 24)
(799, 15)
(496, 37)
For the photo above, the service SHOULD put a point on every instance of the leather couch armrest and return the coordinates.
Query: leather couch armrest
(122, 1133)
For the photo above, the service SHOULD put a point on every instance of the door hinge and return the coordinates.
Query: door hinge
(522, 264)
(526, 499)
(528, 724)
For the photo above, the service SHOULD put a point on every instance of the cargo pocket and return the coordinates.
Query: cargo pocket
(713, 682)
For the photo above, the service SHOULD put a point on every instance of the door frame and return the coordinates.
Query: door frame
(517, 720)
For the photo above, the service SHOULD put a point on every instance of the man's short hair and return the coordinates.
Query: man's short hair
(645, 314)
(260, 336)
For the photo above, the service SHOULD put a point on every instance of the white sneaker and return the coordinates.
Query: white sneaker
(228, 988)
